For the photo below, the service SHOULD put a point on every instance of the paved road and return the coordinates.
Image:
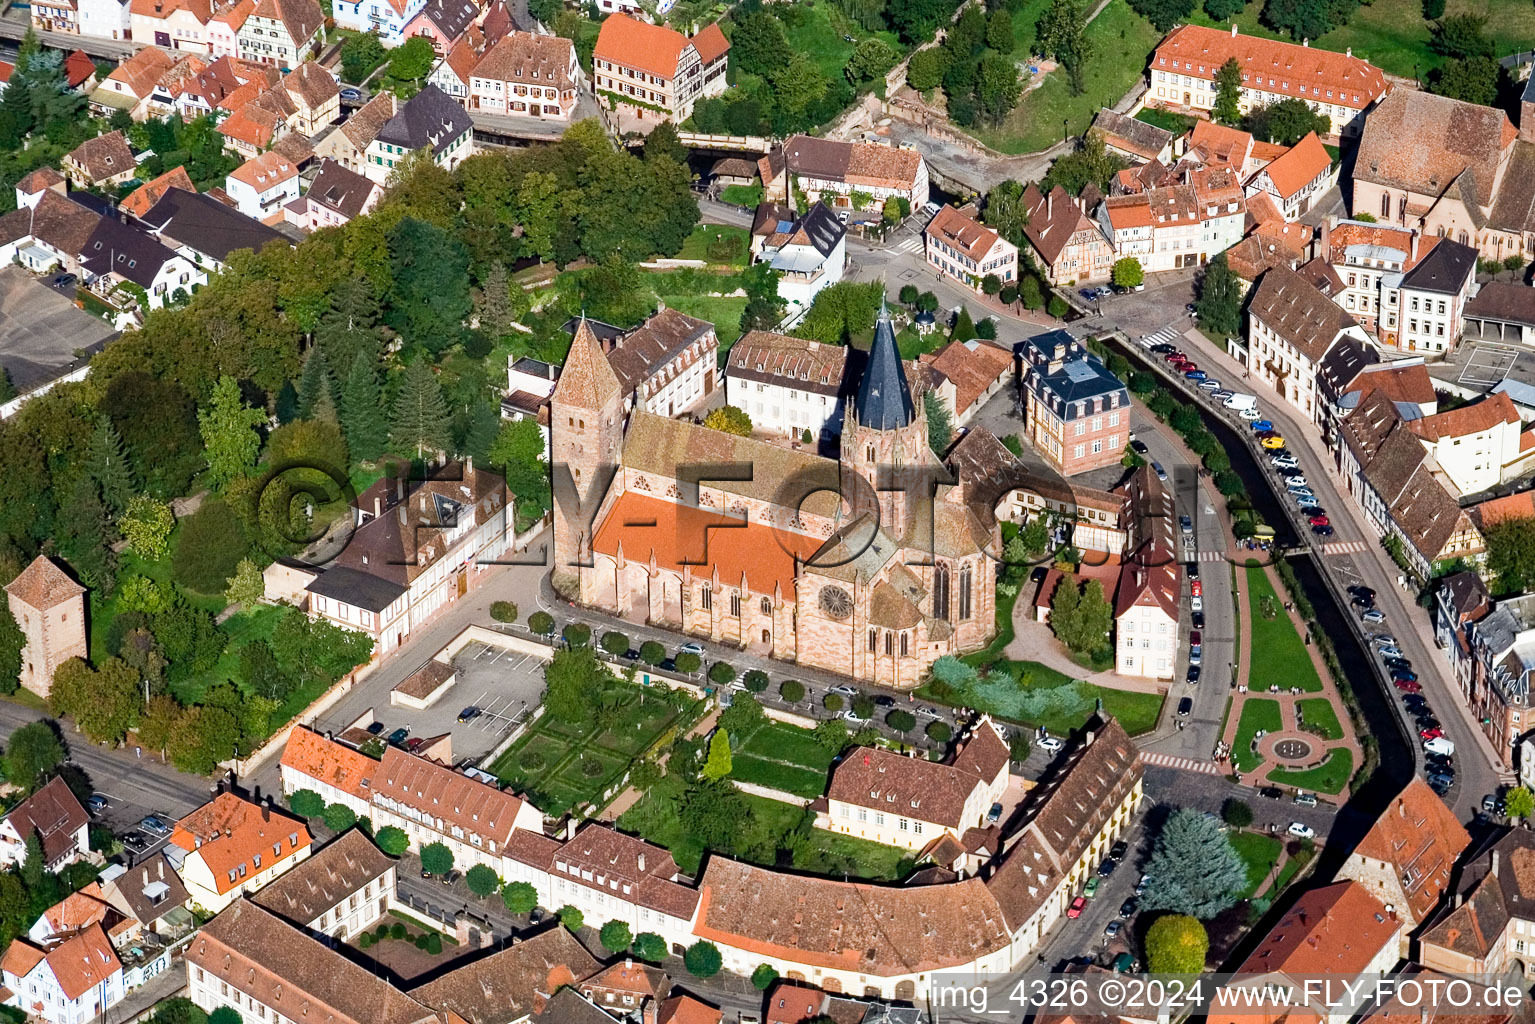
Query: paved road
(1352, 556)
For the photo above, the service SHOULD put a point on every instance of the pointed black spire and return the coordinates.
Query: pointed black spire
(884, 397)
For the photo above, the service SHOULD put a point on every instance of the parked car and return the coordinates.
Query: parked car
(1223, 394)
(1091, 888)
(1163, 348)
(1249, 413)
(1111, 929)
(399, 735)
(1295, 483)
(1119, 849)
(1156, 467)
(1077, 906)
(1407, 687)
(1305, 799)
(1050, 743)
(1272, 443)
(1359, 590)
(1129, 907)
(1174, 356)
(1197, 618)
(1322, 531)
(1196, 603)
(1106, 867)
(413, 745)
(469, 714)
(1210, 384)
(96, 804)
(1398, 663)
(1139, 447)
(1191, 570)
(1428, 722)
(1320, 520)
(1185, 524)
(1192, 678)
(844, 689)
(691, 648)
(155, 826)
(1271, 792)
(923, 711)
(1388, 650)
(1258, 426)
(1406, 675)
(1195, 374)
(1185, 706)
(351, 95)
(1300, 830)
(1372, 615)
(884, 701)
(1141, 885)
(1431, 734)
(1491, 804)
(374, 728)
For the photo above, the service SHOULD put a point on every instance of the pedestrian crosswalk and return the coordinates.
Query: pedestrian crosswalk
(1187, 764)
(1169, 335)
(911, 245)
(1345, 547)
(1212, 556)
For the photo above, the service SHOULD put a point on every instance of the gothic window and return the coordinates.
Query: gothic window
(1385, 207)
(868, 453)
(904, 650)
(889, 642)
(964, 592)
(835, 602)
(735, 605)
(873, 639)
(767, 606)
(706, 598)
(941, 591)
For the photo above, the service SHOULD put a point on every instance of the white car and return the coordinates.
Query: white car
(923, 711)
(849, 716)
(844, 689)
(1295, 483)
(1301, 831)
(1051, 744)
(1196, 604)
(1250, 414)
(691, 648)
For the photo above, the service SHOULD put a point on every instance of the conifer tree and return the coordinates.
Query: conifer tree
(362, 411)
(420, 420)
(314, 383)
(109, 467)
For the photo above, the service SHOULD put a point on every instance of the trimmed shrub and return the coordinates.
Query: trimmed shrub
(721, 673)
(939, 732)
(687, 663)
(615, 643)
(306, 803)
(652, 653)
(756, 680)
(577, 634)
(503, 611)
(792, 690)
(541, 623)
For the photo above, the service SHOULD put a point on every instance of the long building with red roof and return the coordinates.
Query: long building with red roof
(655, 73)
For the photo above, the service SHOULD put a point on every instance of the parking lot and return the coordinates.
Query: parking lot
(504, 685)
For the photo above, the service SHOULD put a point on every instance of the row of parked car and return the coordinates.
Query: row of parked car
(1438, 751)
(1296, 485)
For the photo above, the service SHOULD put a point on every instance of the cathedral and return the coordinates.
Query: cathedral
(871, 566)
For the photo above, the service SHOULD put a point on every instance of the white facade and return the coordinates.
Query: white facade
(785, 409)
(1430, 321)
(1148, 642)
(36, 987)
(108, 19)
(260, 199)
(380, 16)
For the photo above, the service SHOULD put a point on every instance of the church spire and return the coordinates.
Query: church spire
(587, 379)
(884, 397)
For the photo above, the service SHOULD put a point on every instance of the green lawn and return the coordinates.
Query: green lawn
(1257, 713)
(1393, 35)
(1282, 657)
(742, 195)
(1319, 713)
(724, 312)
(562, 766)
(697, 245)
(783, 757)
(1121, 40)
(819, 36)
(1260, 853)
(1286, 875)
(1166, 120)
(1328, 777)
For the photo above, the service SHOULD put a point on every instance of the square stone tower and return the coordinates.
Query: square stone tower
(49, 607)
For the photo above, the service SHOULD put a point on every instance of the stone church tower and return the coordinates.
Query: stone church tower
(50, 609)
(586, 428)
(886, 462)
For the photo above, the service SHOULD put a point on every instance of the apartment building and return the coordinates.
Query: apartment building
(787, 385)
(284, 33)
(78, 980)
(1146, 601)
(1478, 445)
(652, 72)
(962, 248)
(386, 17)
(1485, 930)
(1296, 177)
(1077, 412)
(667, 365)
(429, 120)
(103, 162)
(1432, 298)
(230, 847)
(831, 171)
(335, 196)
(1291, 327)
(1490, 646)
(1177, 226)
(56, 818)
(526, 75)
(1340, 85)
(263, 185)
(337, 893)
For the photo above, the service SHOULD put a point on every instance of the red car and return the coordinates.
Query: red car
(1408, 686)
(1320, 521)
(1187, 367)
(1195, 590)
(1195, 638)
(1431, 734)
(1175, 357)
(1077, 906)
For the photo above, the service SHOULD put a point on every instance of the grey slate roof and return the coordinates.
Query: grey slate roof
(341, 190)
(429, 118)
(357, 588)
(1080, 377)
(1498, 300)
(201, 222)
(884, 397)
(1444, 269)
(821, 227)
(114, 247)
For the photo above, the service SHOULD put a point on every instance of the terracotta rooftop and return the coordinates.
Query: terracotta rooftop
(1300, 165)
(143, 198)
(140, 72)
(238, 839)
(55, 814)
(312, 83)
(266, 171)
(525, 56)
(1289, 69)
(769, 358)
(632, 43)
(36, 181)
(1219, 144)
(43, 585)
(962, 232)
(1417, 836)
(104, 157)
(972, 367)
(1472, 418)
(1130, 134)
(916, 787)
(1336, 929)
(1424, 143)
(853, 163)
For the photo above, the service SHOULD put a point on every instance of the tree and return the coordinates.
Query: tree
(83, 535)
(412, 60)
(925, 69)
(1006, 211)
(541, 623)
(570, 680)
(1095, 616)
(503, 611)
(519, 897)
(430, 299)
(687, 662)
(1220, 298)
(792, 690)
(1519, 803)
(314, 383)
(420, 420)
(1224, 10)
(1065, 622)
(764, 976)
(872, 58)
(576, 634)
(718, 765)
(940, 425)
(901, 720)
(107, 464)
(939, 731)
(998, 86)
(518, 451)
(615, 937)
(102, 702)
(1236, 812)
(1461, 36)
(209, 548)
(1228, 95)
(649, 946)
(146, 525)
(729, 419)
(229, 434)
(999, 30)
(436, 859)
(703, 959)
(482, 880)
(571, 917)
(1090, 164)
(360, 55)
(755, 680)
(652, 652)
(891, 213)
(34, 751)
(392, 840)
(615, 643)
(247, 586)
(663, 142)
(759, 44)
(832, 702)
(1128, 272)
(1193, 868)
(1176, 944)
(339, 817)
(1307, 19)
(1057, 307)
(1164, 14)
(1471, 79)
(1287, 121)
(225, 1015)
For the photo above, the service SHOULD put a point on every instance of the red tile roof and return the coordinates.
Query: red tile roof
(1300, 165)
(1472, 418)
(235, 835)
(1337, 929)
(78, 67)
(83, 962)
(143, 198)
(962, 232)
(42, 585)
(329, 762)
(1419, 837)
(703, 541)
(654, 49)
(1306, 72)
(1221, 144)
(711, 44)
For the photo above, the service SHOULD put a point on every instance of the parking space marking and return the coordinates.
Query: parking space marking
(1488, 364)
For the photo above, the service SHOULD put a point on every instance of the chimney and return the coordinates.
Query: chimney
(641, 864)
(378, 505)
(1305, 42)
(1494, 863)
(1323, 249)
(1401, 808)
(1050, 205)
(1414, 245)
(1233, 31)
(468, 465)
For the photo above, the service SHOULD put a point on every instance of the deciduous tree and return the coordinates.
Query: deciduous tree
(520, 897)
(1228, 90)
(1176, 944)
(32, 754)
(730, 419)
(719, 763)
(1220, 298)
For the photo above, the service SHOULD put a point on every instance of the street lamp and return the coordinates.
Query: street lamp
(1415, 78)
(1065, 131)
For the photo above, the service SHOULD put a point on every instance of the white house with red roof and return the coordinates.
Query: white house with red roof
(263, 185)
(1296, 177)
(962, 248)
(1146, 600)
(75, 981)
(229, 847)
(386, 17)
(526, 75)
(654, 73)
(1340, 85)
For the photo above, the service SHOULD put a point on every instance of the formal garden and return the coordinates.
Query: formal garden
(784, 757)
